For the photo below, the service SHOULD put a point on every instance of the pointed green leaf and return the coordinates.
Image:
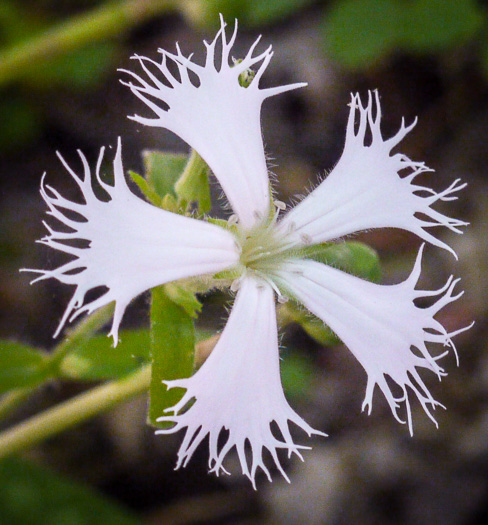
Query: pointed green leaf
(34, 495)
(352, 257)
(184, 298)
(162, 170)
(146, 189)
(97, 359)
(172, 350)
(169, 203)
(20, 366)
(193, 185)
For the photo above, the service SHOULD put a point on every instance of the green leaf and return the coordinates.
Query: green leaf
(172, 349)
(20, 366)
(184, 298)
(313, 326)
(146, 189)
(162, 170)
(352, 257)
(260, 13)
(433, 26)
(33, 495)
(193, 185)
(250, 13)
(97, 359)
(359, 33)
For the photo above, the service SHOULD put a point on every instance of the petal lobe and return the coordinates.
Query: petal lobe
(238, 389)
(365, 190)
(124, 244)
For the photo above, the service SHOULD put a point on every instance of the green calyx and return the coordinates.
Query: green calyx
(263, 249)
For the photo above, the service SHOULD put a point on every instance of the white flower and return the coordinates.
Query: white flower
(236, 395)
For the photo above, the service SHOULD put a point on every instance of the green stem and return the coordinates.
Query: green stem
(13, 399)
(101, 23)
(73, 412)
(74, 338)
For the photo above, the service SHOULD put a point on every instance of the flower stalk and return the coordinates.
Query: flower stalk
(73, 412)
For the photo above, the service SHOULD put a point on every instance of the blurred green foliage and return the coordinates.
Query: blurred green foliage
(20, 366)
(250, 13)
(80, 70)
(361, 33)
(97, 359)
(297, 374)
(33, 495)
(92, 359)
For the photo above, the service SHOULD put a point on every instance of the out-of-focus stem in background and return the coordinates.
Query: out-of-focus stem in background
(107, 21)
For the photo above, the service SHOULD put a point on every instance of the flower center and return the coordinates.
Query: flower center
(263, 249)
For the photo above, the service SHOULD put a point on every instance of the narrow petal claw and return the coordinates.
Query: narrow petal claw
(208, 108)
(238, 390)
(131, 246)
(365, 190)
(381, 325)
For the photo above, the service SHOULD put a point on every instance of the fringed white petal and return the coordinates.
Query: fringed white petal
(129, 245)
(237, 393)
(365, 190)
(381, 325)
(208, 108)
